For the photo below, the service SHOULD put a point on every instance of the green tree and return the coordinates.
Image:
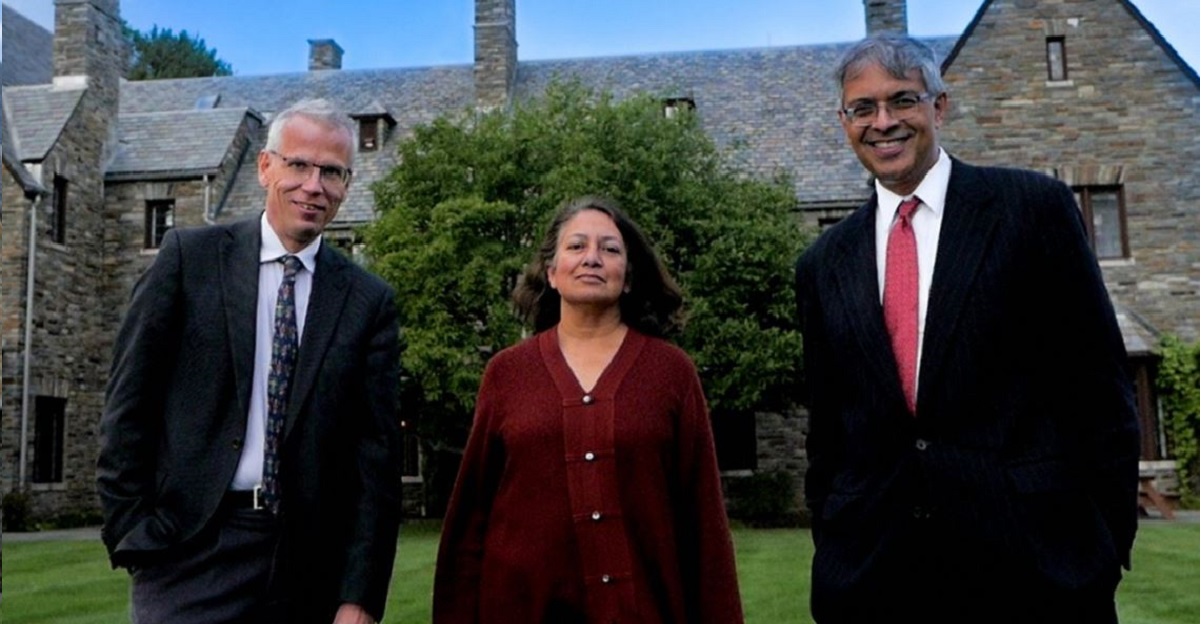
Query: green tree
(462, 213)
(161, 53)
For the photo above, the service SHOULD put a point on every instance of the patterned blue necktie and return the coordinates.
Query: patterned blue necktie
(285, 343)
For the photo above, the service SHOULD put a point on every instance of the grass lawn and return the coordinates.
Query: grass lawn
(69, 582)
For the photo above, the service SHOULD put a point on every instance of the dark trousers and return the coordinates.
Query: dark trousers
(221, 576)
(923, 580)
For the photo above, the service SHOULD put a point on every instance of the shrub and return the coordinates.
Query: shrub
(1178, 390)
(764, 499)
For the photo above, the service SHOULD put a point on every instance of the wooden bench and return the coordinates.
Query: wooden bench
(1150, 497)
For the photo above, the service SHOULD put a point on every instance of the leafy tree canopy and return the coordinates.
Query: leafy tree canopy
(463, 212)
(161, 53)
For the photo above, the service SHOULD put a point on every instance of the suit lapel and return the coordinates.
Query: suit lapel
(330, 283)
(239, 258)
(966, 233)
(858, 287)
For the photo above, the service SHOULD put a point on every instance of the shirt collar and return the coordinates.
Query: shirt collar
(272, 249)
(932, 190)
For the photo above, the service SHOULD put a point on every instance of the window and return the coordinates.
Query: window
(736, 441)
(1105, 219)
(368, 135)
(1057, 64)
(49, 420)
(160, 217)
(58, 220)
(673, 106)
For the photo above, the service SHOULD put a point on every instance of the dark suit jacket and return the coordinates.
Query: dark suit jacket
(177, 403)
(1024, 450)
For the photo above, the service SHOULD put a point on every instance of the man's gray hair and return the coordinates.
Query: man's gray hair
(320, 110)
(896, 55)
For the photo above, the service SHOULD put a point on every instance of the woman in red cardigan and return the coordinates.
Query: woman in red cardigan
(589, 489)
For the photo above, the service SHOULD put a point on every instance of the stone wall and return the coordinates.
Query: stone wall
(1126, 112)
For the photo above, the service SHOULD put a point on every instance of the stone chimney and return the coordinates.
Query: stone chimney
(89, 44)
(495, 53)
(324, 54)
(90, 51)
(885, 17)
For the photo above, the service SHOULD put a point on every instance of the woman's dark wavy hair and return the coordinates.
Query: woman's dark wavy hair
(654, 303)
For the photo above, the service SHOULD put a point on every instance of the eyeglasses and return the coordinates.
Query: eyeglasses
(332, 176)
(901, 106)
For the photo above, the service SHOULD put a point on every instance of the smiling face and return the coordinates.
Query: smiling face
(298, 209)
(589, 268)
(898, 152)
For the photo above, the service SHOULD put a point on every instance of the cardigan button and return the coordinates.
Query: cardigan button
(606, 579)
(596, 516)
(589, 456)
(587, 399)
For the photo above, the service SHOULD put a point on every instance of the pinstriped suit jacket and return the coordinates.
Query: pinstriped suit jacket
(1025, 444)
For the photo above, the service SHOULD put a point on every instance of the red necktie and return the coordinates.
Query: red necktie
(900, 298)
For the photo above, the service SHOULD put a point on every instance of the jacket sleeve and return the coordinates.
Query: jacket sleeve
(706, 548)
(143, 359)
(823, 442)
(372, 545)
(1097, 394)
(461, 549)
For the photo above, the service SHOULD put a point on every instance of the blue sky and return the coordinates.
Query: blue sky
(266, 36)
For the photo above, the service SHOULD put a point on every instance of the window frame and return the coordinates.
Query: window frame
(1084, 201)
(153, 238)
(1061, 63)
(369, 134)
(58, 216)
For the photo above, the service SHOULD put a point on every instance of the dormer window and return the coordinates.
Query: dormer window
(673, 106)
(368, 134)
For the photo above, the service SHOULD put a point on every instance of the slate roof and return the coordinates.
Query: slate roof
(39, 114)
(1139, 337)
(775, 104)
(13, 163)
(174, 143)
(28, 51)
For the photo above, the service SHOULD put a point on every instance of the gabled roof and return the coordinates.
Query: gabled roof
(174, 143)
(28, 51)
(12, 162)
(772, 108)
(39, 114)
(1156, 36)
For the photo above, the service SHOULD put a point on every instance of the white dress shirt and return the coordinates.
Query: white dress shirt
(927, 222)
(271, 275)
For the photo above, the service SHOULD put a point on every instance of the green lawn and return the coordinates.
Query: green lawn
(69, 582)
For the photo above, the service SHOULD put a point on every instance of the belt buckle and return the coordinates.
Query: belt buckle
(256, 498)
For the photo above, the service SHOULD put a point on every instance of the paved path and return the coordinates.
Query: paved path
(82, 534)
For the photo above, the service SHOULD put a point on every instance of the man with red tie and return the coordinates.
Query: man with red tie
(972, 444)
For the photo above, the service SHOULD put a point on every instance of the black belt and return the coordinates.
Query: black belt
(245, 499)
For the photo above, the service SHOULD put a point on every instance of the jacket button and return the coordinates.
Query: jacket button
(921, 444)
(237, 444)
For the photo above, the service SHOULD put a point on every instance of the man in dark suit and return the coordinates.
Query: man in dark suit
(249, 466)
(972, 439)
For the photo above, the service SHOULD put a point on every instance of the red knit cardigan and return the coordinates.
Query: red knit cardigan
(601, 506)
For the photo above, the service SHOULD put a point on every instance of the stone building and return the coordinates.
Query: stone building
(98, 169)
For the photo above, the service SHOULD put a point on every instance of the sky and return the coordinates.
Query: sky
(268, 37)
